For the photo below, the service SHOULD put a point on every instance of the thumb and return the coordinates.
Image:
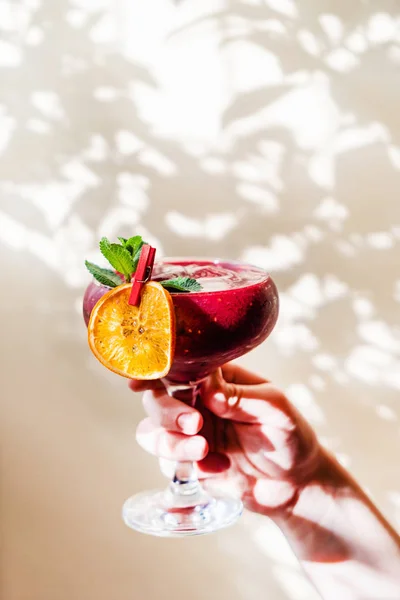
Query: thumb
(259, 403)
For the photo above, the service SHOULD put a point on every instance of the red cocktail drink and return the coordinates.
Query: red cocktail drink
(234, 312)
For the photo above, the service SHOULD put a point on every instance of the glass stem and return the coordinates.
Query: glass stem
(185, 481)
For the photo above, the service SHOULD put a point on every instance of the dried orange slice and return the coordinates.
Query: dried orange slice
(136, 342)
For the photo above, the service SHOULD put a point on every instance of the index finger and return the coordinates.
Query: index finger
(259, 403)
(234, 373)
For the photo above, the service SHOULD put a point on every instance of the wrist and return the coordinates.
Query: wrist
(310, 522)
(332, 520)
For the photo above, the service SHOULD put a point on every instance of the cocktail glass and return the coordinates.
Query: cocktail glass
(234, 312)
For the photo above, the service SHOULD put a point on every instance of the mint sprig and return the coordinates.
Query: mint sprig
(119, 257)
(124, 258)
(182, 284)
(104, 276)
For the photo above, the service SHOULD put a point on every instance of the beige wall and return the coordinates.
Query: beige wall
(264, 131)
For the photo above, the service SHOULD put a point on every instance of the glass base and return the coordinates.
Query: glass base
(158, 513)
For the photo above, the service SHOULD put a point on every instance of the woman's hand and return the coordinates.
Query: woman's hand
(244, 435)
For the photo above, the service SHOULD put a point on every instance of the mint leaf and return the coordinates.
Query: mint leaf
(104, 276)
(182, 284)
(133, 244)
(118, 257)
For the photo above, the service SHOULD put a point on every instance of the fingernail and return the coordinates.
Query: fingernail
(188, 422)
(220, 397)
(195, 446)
